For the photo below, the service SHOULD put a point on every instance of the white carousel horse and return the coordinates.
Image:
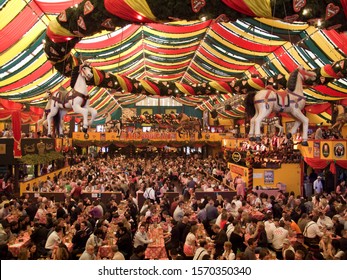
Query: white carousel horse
(113, 125)
(261, 104)
(43, 120)
(77, 100)
(341, 119)
(275, 121)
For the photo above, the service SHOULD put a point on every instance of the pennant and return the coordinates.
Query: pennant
(62, 16)
(81, 23)
(197, 5)
(298, 5)
(222, 18)
(53, 51)
(331, 11)
(88, 8)
(108, 24)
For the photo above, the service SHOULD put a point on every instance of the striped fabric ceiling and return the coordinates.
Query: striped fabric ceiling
(185, 52)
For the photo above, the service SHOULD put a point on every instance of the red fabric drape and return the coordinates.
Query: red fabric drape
(316, 163)
(16, 128)
(332, 167)
(4, 115)
(120, 8)
(10, 105)
(37, 110)
(317, 109)
(239, 6)
(67, 118)
(342, 163)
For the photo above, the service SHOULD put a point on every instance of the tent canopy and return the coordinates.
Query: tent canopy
(185, 52)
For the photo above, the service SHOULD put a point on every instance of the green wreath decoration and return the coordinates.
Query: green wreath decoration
(34, 159)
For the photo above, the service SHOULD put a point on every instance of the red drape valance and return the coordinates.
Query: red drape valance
(317, 163)
(342, 163)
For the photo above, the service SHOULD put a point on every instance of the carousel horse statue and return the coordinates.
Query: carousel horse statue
(275, 121)
(43, 120)
(261, 104)
(77, 99)
(188, 124)
(113, 125)
(341, 119)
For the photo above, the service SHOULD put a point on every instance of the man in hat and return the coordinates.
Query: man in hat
(318, 185)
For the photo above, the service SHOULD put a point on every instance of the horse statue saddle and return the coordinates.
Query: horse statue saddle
(281, 96)
(61, 96)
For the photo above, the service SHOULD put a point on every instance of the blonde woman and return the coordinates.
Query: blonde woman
(326, 247)
(190, 243)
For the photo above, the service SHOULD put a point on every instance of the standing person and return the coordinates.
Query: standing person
(319, 133)
(341, 188)
(178, 213)
(219, 239)
(79, 239)
(76, 191)
(240, 190)
(97, 211)
(39, 237)
(318, 185)
(149, 193)
(124, 242)
(279, 235)
(312, 234)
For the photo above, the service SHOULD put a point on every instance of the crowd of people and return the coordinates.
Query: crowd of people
(248, 227)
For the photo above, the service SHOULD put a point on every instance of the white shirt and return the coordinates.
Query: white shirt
(238, 203)
(318, 186)
(149, 193)
(199, 253)
(178, 214)
(325, 222)
(141, 239)
(279, 234)
(269, 228)
(52, 240)
(118, 256)
(312, 230)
